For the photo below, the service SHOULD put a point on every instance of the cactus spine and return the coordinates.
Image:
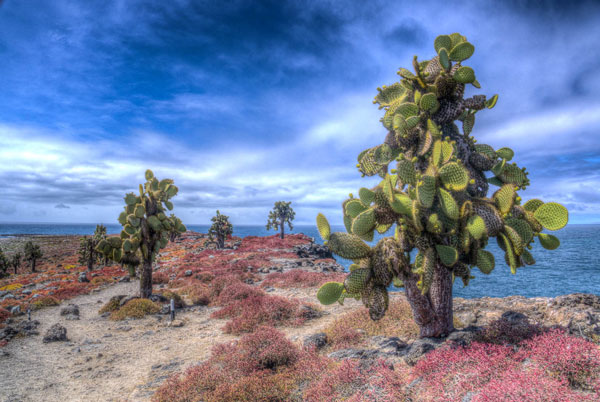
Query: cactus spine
(281, 214)
(437, 196)
(144, 232)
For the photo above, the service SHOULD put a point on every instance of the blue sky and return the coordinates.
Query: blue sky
(244, 103)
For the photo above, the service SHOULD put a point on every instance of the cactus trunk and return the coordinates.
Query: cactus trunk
(33, 265)
(146, 279)
(433, 311)
(282, 229)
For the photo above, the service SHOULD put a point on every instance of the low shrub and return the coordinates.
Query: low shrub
(200, 295)
(12, 286)
(160, 278)
(101, 280)
(299, 278)
(565, 357)
(266, 348)
(350, 328)
(528, 386)
(340, 384)
(112, 305)
(205, 277)
(136, 308)
(4, 314)
(44, 301)
(179, 303)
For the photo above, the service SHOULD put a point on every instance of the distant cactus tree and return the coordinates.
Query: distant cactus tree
(15, 261)
(145, 229)
(281, 214)
(436, 197)
(87, 248)
(220, 230)
(4, 264)
(174, 233)
(32, 254)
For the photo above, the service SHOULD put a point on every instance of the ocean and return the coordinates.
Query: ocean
(573, 267)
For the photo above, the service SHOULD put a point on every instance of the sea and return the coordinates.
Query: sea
(572, 268)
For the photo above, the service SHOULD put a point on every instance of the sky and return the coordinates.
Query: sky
(245, 103)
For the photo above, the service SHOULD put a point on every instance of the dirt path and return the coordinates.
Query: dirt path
(119, 361)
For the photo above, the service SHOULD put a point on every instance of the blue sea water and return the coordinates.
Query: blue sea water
(573, 267)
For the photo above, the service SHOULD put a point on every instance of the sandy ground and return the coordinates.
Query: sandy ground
(120, 361)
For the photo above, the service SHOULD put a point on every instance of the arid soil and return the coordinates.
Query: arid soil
(119, 360)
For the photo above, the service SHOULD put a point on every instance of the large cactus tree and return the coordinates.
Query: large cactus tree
(436, 199)
(281, 214)
(32, 254)
(145, 228)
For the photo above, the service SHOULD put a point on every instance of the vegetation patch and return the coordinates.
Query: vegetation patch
(136, 308)
(12, 286)
(299, 278)
(44, 301)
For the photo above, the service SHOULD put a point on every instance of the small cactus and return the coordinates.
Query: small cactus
(32, 254)
(436, 195)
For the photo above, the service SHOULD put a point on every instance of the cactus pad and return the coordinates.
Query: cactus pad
(552, 216)
(357, 280)
(548, 241)
(348, 246)
(323, 227)
(454, 176)
(448, 255)
(485, 261)
(462, 51)
(330, 292)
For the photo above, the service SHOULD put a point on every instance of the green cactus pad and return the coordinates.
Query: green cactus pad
(486, 150)
(378, 302)
(485, 261)
(462, 51)
(532, 205)
(366, 196)
(490, 103)
(130, 199)
(426, 190)
(149, 175)
(527, 258)
(515, 239)
(364, 222)
(448, 204)
(428, 270)
(442, 41)
(429, 102)
(404, 73)
(357, 280)
(468, 123)
(154, 223)
(348, 246)
(464, 75)
(383, 154)
(406, 172)
(330, 292)
(522, 228)
(476, 227)
(169, 205)
(454, 176)
(548, 241)
(552, 216)
(355, 207)
(504, 198)
(434, 224)
(139, 211)
(402, 204)
(444, 58)
(505, 153)
(323, 227)
(513, 174)
(448, 255)
(509, 254)
(408, 109)
(389, 94)
(456, 39)
(348, 223)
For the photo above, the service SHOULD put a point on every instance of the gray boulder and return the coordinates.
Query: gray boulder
(56, 333)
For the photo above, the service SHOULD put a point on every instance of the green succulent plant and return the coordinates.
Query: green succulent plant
(87, 248)
(220, 230)
(281, 214)
(32, 253)
(436, 196)
(145, 230)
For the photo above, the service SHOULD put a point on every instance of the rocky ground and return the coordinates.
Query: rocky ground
(71, 353)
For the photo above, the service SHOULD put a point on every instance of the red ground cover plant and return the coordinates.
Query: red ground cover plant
(565, 357)
(528, 386)
(160, 278)
(447, 374)
(4, 314)
(262, 366)
(300, 279)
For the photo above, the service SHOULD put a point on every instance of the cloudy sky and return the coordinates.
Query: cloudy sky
(244, 103)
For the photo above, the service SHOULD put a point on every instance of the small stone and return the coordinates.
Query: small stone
(124, 279)
(56, 333)
(15, 310)
(176, 323)
(269, 289)
(309, 312)
(188, 272)
(82, 277)
(317, 340)
(26, 292)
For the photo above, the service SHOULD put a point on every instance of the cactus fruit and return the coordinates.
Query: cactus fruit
(436, 194)
(145, 229)
(281, 214)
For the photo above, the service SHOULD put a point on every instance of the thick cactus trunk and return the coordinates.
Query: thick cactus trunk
(433, 311)
(33, 265)
(282, 228)
(146, 279)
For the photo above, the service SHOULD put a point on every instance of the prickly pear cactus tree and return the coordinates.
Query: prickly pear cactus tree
(145, 228)
(174, 233)
(15, 262)
(32, 254)
(281, 214)
(87, 252)
(435, 198)
(219, 231)
(4, 264)
(99, 235)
